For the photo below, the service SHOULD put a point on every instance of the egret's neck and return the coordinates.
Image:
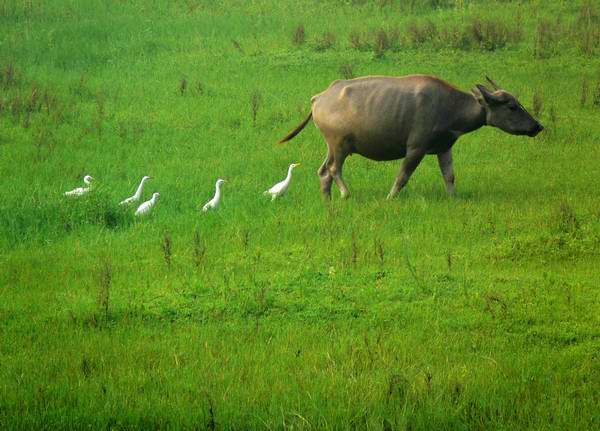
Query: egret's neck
(138, 192)
(289, 175)
(154, 199)
(217, 190)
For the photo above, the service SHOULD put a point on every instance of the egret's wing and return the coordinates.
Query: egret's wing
(277, 187)
(142, 208)
(127, 201)
(76, 192)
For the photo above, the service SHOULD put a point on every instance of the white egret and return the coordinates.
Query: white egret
(147, 206)
(81, 190)
(138, 193)
(281, 187)
(214, 202)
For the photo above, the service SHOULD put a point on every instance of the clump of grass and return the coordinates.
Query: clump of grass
(31, 105)
(55, 109)
(538, 104)
(167, 248)
(492, 34)
(587, 28)
(596, 94)
(355, 39)
(547, 35)
(488, 34)
(16, 107)
(244, 235)
(379, 251)
(456, 37)
(100, 113)
(199, 87)
(81, 89)
(34, 103)
(105, 277)
(353, 250)
(199, 249)
(382, 43)
(299, 35)
(86, 367)
(565, 219)
(385, 3)
(325, 41)
(211, 425)
(553, 117)
(347, 71)
(385, 40)
(397, 389)
(9, 76)
(457, 391)
(183, 84)
(420, 33)
(493, 302)
(237, 46)
(255, 102)
(584, 92)
(44, 138)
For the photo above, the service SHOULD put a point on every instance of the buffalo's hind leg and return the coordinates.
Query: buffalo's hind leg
(409, 164)
(325, 176)
(336, 171)
(445, 162)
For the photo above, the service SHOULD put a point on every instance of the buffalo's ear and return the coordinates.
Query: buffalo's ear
(486, 97)
(491, 81)
(477, 93)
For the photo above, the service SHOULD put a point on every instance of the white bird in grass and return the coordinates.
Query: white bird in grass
(214, 202)
(81, 190)
(281, 187)
(147, 206)
(138, 193)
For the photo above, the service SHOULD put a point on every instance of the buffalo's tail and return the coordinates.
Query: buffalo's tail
(296, 130)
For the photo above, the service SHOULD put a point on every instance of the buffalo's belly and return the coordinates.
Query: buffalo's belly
(380, 150)
(441, 142)
(387, 148)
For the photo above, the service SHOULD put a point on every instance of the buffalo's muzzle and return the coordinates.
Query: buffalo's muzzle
(537, 129)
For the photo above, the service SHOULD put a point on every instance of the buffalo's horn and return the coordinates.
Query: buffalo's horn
(491, 81)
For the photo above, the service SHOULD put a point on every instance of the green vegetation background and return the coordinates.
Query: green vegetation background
(427, 312)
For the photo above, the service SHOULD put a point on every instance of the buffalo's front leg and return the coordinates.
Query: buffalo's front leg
(445, 162)
(409, 164)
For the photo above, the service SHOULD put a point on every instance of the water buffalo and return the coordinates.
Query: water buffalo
(389, 118)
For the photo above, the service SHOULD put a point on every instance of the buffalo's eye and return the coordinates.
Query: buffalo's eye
(513, 107)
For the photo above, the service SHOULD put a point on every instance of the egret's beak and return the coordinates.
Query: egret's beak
(298, 164)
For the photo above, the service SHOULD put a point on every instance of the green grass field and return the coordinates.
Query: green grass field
(480, 311)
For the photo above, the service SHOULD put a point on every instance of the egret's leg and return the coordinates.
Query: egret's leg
(409, 164)
(445, 162)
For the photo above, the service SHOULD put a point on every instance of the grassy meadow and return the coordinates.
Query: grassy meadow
(480, 311)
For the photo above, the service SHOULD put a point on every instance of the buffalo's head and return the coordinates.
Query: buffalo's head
(504, 111)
